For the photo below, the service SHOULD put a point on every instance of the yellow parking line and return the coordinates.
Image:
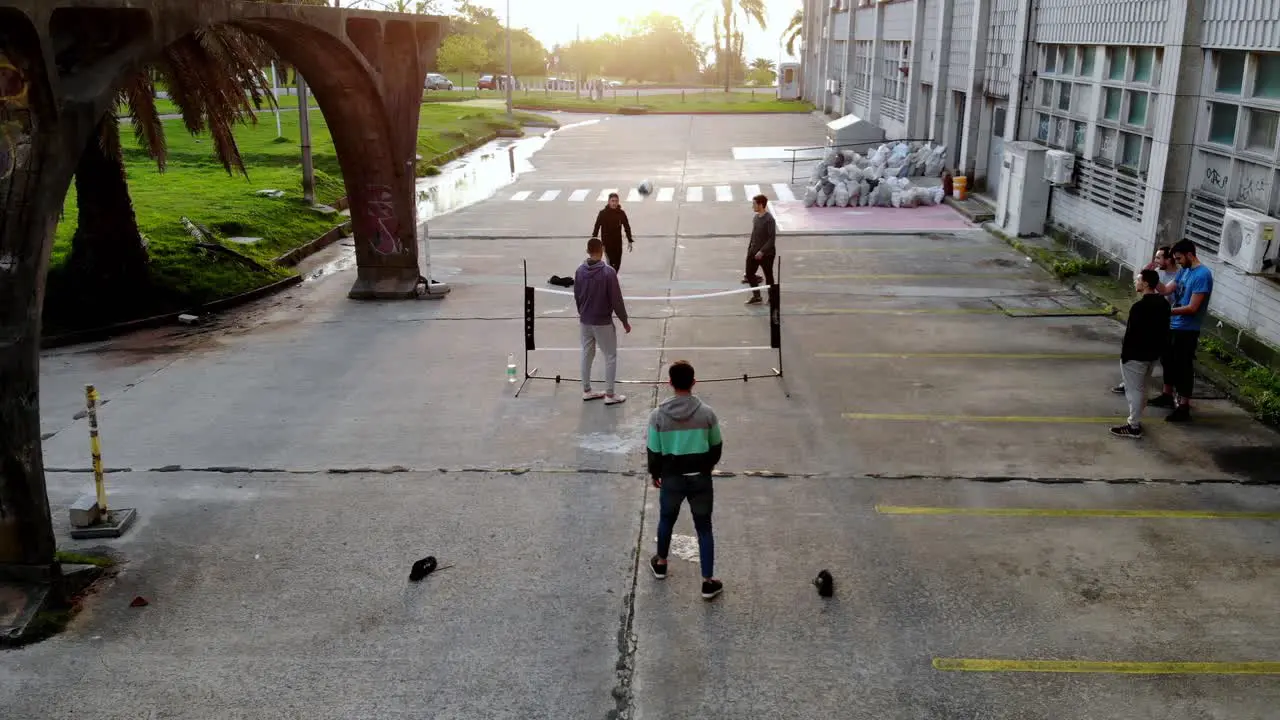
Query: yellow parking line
(1078, 512)
(971, 356)
(892, 417)
(910, 276)
(1094, 666)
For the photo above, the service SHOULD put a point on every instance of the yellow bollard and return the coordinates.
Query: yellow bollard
(91, 402)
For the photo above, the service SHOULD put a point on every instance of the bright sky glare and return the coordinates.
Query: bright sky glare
(555, 21)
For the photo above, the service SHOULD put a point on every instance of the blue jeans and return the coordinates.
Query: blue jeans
(698, 491)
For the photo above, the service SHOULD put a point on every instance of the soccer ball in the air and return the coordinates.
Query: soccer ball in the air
(645, 188)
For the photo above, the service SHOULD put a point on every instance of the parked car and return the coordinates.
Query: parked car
(615, 84)
(436, 81)
(495, 82)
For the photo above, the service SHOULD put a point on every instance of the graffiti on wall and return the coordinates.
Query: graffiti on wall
(381, 211)
(15, 122)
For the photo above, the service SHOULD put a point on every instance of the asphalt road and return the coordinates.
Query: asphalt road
(291, 460)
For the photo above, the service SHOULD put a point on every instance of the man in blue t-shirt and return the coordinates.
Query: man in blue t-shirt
(1192, 288)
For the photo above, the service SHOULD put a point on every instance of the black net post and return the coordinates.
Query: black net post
(528, 320)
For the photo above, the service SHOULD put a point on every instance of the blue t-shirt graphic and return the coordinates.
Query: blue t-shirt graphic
(1192, 281)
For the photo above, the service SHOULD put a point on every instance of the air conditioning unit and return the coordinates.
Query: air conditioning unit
(1248, 240)
(1059, 167)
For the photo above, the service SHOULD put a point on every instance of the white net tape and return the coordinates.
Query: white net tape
(699, 296)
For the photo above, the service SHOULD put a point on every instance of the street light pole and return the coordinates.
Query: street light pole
(509, 79)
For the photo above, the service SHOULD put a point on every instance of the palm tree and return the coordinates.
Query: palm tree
(726, 24)
(763, 65)
(794, 30)
(214, 77)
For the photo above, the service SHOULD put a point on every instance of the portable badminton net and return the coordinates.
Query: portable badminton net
(775, 332)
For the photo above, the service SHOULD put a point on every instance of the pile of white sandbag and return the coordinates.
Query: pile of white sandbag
(850, 179)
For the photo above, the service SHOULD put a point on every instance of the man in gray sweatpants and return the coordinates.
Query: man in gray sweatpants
(599, 298)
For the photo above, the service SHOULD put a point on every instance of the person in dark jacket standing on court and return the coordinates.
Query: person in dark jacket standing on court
(762, 250)
(599, 297)
(684, 446)
(1146, 338)
(610, 222)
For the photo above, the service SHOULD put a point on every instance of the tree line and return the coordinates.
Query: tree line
(653, 48)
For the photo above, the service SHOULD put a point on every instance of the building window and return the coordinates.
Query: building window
(897, 59)
(1237, 152)
(1116, 58)
(1078, 133)
(862, 65)
(1144, 60)
(1111, 108)
(1222, 123)
(1266, 83)
(1064, 96)
(1106, 149)
(1262, 131)
(1137, 109)
(1086, 61)
(1230, 72)
(1051, 59)
(1046, 92)
(1123, 138)
(1042, 127)
(1069, 60)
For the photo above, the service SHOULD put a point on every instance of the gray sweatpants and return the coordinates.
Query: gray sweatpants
(606, 337)
(1136, 373)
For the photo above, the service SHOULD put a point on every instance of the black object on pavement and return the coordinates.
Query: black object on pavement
(826, 584)
(422, 568)
(561, 281)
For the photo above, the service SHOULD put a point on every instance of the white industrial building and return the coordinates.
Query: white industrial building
(1171, 109)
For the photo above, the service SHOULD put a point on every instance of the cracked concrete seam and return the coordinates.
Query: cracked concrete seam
(768, 474)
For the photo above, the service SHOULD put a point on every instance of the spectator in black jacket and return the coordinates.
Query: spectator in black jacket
(1146, 338)
(610, 223)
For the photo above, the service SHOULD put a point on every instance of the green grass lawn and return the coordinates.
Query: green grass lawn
(166, 107)
(195, 186)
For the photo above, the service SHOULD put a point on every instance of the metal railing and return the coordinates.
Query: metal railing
(842, 146)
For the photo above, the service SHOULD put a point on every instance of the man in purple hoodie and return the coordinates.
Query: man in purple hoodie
(599, 298)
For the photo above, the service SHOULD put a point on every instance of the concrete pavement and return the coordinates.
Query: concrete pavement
(290, 461)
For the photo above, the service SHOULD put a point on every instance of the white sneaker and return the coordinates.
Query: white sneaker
(590, 395)
(615, 399)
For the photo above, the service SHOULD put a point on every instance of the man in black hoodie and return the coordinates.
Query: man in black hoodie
(762, 250)
(1146, 337)
(610, 223)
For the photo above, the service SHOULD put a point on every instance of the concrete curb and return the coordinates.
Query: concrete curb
(109, 331)
(300, 253)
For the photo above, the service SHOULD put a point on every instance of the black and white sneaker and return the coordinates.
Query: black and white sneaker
(1180, 414)
(1127, 431)
(711, 588)
(1119, 389)
(754, 300)
(659, 570)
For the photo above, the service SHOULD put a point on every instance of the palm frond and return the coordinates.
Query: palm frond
(139, 96)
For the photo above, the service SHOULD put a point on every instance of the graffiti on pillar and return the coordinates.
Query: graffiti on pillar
(381, 211)
(15, 122)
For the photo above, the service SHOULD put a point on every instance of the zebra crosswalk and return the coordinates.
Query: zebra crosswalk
(779, 192)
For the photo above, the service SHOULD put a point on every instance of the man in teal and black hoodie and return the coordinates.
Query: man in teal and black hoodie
(684, 447)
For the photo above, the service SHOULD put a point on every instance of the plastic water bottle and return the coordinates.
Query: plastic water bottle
(511, 367)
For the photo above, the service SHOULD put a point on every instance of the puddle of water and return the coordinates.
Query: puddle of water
(470, 179)
(479, 174)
